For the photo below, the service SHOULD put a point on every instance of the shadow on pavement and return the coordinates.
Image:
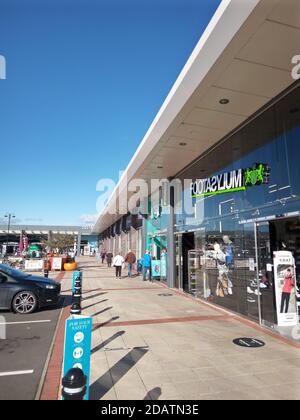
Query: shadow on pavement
(154, 394)
(93, 304)
(94, 296)
(91, 291)
(97, 326)
(99, 388)
(64, 302)
(108, 341)
(103, 310)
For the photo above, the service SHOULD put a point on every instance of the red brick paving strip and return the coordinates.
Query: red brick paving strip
(121, 289)
(162, 321)
(51, 384)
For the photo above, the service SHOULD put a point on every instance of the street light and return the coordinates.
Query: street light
(9, 216)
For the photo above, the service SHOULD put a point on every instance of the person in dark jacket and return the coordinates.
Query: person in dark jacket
(103, 255)
(130, 259)
(147, 266)
(109, 257)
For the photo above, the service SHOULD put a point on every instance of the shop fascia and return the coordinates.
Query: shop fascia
(233, 181)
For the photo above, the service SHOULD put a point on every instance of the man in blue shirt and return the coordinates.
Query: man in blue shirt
(147, 266)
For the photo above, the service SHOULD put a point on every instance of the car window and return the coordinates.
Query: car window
(5, 269)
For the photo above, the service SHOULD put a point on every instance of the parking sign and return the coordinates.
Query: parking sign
(77, 350)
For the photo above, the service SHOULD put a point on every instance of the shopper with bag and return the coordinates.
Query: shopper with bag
(147, 266)
(130, 260)
(118, 264)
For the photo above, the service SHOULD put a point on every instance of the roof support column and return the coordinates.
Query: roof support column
(171, 241)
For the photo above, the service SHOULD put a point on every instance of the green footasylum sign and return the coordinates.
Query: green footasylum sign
(230, 182)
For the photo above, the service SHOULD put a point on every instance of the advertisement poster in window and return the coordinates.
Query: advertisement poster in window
(285, 288)
(155, 269)
(163, 264)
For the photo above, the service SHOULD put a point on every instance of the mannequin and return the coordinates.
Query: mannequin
(225, 285)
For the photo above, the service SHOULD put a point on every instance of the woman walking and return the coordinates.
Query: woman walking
(118, 263)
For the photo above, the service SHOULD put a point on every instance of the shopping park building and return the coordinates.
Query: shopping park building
(84, 241)
(229, 131)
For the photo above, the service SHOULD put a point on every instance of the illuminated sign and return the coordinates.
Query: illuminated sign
(230, 182)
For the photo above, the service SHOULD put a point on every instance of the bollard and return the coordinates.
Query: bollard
(77, 291)
(74, 385)
(75, 308)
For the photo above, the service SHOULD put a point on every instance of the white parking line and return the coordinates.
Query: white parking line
(16, 373)
(26, 322)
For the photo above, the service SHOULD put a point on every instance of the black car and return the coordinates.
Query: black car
(23, 293)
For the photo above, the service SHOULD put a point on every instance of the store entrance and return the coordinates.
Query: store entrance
(188, 244)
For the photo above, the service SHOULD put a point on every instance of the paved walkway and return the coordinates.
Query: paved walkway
(150, 342)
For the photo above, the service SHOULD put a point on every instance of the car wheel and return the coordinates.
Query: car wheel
(24, 303)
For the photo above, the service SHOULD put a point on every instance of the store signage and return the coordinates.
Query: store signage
(34, 265)
(163, 265)
(230, 182)
(285, 288)
(77, 349)
(86, 250)
(56, 263)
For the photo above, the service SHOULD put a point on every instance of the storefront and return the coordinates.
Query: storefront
(246, 199)
(229, 133)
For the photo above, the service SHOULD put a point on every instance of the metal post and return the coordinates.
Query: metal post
(171, 242)
(9, 216)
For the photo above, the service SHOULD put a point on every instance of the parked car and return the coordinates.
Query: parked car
(24, 293)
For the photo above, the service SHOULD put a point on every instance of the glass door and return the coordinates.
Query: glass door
(265, 274)
(178, 250)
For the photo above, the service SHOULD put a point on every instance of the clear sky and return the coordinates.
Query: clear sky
(85, 79)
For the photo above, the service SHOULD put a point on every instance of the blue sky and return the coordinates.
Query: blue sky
(85, 79)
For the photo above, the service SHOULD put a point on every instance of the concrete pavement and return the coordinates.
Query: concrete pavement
(150, 342)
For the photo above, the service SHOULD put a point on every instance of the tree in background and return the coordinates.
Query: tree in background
(61, 242)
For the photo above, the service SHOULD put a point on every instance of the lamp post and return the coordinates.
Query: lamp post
(9, 216)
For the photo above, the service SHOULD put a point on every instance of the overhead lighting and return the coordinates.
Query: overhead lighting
(224, 101)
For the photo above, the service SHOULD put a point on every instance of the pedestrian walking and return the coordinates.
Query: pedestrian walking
(130, 260)
(103, 256)
(47, 268)
(109, 257)
(147, 266)
(118, 264)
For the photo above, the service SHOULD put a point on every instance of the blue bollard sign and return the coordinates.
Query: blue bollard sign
(77, 349)
(76, 275)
